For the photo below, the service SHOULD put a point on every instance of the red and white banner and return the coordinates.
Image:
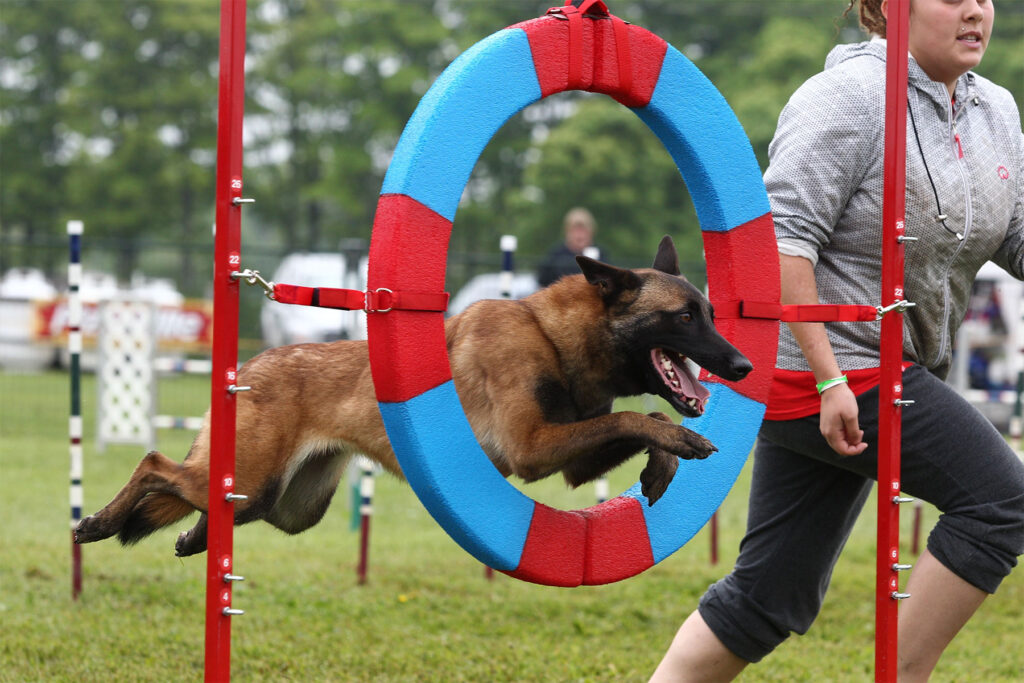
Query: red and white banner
(188, 327)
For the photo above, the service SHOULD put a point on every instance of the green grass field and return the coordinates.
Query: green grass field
(427, 613)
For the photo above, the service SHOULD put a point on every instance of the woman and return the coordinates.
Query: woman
(816, 454)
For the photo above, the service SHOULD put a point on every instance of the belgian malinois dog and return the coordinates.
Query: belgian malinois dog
(536, 378)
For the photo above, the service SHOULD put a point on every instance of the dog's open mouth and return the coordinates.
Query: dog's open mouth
(687, 395)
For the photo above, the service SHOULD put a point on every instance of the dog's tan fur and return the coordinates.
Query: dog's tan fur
(536, 377)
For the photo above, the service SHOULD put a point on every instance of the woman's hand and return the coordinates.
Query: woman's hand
(839, 421)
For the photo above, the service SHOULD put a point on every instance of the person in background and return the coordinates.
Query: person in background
(578, 226)
(816, 453)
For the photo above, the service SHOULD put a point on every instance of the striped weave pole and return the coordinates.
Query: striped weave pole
(366, 485)
(508, 244)
(75, 423)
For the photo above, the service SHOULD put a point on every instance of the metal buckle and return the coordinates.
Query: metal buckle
(369, 303)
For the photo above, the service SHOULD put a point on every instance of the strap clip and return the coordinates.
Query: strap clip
(898, 306)
(253, 277)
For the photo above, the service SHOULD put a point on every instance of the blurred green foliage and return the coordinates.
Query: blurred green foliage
(108, 114)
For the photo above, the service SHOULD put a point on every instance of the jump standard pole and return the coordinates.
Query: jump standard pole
(891, 401)
(75, 371)
(223, 387)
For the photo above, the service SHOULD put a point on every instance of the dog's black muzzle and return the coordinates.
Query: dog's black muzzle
(728, 364)
(721, 358)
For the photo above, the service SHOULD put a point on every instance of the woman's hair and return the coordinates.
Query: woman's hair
(871, 17)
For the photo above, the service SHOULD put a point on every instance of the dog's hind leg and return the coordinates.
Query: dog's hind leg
(192, 541)
(140, 507)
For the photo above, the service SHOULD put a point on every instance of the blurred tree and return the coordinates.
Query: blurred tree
(120, 98)
(108, 111)
(606, 159)
(144, 97)
(335, 82)
(603, 157)
(758, 84)
(35, 56)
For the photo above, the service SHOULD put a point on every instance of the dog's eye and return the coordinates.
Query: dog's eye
(686, 316)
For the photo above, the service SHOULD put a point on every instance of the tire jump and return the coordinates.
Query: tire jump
(568, 49)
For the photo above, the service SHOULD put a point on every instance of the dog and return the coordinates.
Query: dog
(536, 378)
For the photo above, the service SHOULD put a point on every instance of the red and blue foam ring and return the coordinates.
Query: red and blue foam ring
(428, 429)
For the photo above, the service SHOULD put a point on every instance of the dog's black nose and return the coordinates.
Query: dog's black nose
(740, 368)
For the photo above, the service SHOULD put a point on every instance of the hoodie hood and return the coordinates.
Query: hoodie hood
(840, 53)
(916, 77)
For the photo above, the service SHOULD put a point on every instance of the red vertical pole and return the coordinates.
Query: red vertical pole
(227, 243)
(891, 387)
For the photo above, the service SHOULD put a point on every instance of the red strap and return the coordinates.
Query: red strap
(379, 300)
(574, 11)
(622, 52)
(797, 313)
(575, 45)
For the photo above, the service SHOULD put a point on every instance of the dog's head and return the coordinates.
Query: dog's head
(660, 320)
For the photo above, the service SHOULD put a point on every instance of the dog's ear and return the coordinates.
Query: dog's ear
(667, 261)
(609, 280)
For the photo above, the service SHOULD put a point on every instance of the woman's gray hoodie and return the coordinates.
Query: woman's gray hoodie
(825, 184)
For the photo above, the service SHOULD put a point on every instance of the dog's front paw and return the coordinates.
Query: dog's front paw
(691, 445)
(658, 474)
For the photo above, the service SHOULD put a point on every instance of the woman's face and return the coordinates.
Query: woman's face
(948, 37)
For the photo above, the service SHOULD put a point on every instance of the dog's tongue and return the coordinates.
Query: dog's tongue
(674, 372)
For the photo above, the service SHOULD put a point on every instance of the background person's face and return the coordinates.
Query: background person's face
(578, 237)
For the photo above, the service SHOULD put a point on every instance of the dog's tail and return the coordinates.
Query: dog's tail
(153, 512)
